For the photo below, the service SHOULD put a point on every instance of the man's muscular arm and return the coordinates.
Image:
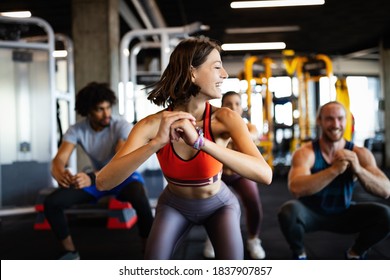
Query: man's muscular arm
(302, 182)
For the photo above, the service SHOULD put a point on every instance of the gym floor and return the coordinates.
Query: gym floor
(19, 240)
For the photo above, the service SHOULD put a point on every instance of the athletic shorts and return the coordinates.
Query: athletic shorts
(134, 177)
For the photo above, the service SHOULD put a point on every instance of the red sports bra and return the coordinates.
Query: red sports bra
(200, 170)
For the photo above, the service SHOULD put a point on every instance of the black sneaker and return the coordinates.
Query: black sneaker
(301, 256)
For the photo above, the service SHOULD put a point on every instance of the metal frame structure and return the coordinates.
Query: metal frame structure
(294, 67)
(165, 35)
(49, 47)
(46, 43)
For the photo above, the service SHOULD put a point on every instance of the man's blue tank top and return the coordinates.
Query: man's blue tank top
(335, 197)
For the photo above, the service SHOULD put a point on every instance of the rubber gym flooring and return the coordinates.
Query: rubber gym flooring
(19, 240)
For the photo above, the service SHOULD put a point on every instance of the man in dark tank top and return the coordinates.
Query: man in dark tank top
(322, 178)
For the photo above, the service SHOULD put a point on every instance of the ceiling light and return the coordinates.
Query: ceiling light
(60, 53)
(269, 29)
(20, 14)
(254, 46)
(274, 3)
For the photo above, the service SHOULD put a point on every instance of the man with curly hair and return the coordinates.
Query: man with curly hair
(100, 135)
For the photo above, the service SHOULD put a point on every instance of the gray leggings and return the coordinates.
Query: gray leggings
(175, 216)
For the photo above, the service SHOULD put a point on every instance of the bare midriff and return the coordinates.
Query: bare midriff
(195, 192)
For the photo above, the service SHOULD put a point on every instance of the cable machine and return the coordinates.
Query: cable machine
(29, 95)
(281, 139)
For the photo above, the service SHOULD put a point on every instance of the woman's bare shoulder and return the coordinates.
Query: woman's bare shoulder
(225, 114)
(149, 122)
(152, 117)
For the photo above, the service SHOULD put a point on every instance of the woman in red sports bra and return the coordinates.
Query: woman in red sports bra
(190, 139)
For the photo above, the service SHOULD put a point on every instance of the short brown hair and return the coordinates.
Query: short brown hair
(175, 85)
